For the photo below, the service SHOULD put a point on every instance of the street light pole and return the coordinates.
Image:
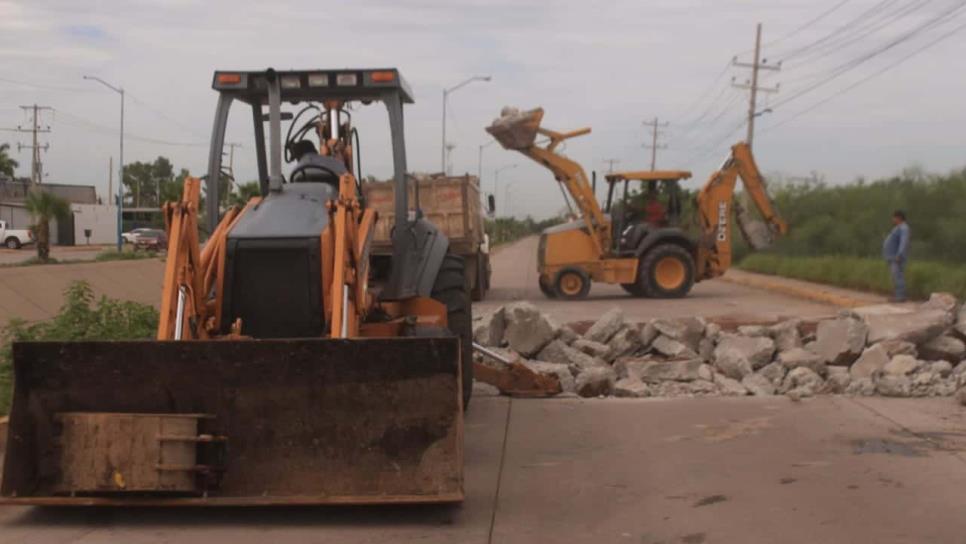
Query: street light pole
(446, 93)
(479, 160)
(120, 177)
(496, 178)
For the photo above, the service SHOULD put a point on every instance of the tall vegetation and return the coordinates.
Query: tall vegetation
(44, 207)
(507, 229)
(854, 219)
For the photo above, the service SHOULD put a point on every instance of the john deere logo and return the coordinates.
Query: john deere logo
(722, 222)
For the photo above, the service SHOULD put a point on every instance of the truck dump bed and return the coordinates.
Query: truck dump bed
(452, 203)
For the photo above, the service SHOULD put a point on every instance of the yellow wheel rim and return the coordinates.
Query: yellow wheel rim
(670, 273)
(571, 284)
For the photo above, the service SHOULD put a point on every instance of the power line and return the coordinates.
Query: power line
(90, 125)
(35, 130)
(877, 73)
(44, 86)
(842, 29)
(752, 86)
(844, 68)
(807, 24)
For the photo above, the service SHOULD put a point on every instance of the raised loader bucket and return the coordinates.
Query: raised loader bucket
(516, 129)
(245, 422)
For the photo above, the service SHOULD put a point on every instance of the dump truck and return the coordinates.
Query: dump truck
(647, 256)
(281, 374)
(454, 204)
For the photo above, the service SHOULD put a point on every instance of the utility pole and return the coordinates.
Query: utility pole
(110, 179)
(36, 166)
(610, 164)
(752, 85)
(231, 166)
(654, 145)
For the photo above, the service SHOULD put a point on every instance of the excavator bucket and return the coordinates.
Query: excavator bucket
(516, 129)
(235, 422)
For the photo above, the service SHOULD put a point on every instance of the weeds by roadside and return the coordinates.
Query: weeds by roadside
(103, 256)
(868, 274)
(82, 317)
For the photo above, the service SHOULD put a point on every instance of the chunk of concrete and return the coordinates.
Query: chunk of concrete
(872, 360)
(901, 365)
(606, 326)
(960, 326)
(711, 331)
(527, 330)
(648, 333)
(737, 356)
(890, 385)
(567, 335)
(840, 341)
(596, 381)
(594, 349)
(706, 372)
(899, 347)
(945, 302)
(801, 357)
(706, 349)
(560, 353)
(946, 347)
(961, 396)
(729, 387)
(758, 385)
(754, 330)
(631, 388)
(672, 348)
(916, 326)
(787, 335)
(651, 371)
(802, 382)
(560, 371)
(943, 368)
(838, 379)
(863, 387)
(689, 330)
(489, 329)
(774, 372)
(924, 382)
(626, 341)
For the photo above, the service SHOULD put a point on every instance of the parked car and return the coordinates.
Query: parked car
(132, 234)
(14, 238)
(151, 240)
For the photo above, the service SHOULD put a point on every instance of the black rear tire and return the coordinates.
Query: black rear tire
(666, 271)
(633, 289)
(546, 288)
(450, 289)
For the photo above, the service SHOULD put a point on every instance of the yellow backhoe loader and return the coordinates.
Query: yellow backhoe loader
(282, 373)
(645, 251)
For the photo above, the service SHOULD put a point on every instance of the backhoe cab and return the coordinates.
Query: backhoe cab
(281, 373)
(641, 247)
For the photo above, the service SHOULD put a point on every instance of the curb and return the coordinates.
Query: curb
(815, 294)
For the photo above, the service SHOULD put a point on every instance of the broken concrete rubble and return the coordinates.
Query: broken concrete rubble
(527, 330)
(605, 327)
(689, 357)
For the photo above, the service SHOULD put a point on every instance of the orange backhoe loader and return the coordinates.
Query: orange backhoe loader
(283, 371)
(647, 253)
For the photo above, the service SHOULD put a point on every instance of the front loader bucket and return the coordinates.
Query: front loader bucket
(245, 422)
(516, 129)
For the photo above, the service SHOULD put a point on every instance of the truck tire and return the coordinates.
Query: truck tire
(12, 243)
(633, 289)
(666, 271)
(546, 288)
(450, 289)
(571, 283)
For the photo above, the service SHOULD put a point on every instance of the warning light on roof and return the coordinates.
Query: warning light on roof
(346, 80)
(318, 80)
(229, 79)
(385, 76)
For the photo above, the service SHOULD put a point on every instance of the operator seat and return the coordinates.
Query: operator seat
(307, 156)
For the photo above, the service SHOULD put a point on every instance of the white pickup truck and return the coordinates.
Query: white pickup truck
(14, 238)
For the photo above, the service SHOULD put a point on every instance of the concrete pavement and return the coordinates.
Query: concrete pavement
(828, 469)
(515, 278)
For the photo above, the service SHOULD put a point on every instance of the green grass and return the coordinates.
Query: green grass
(115, 255)
(82, 317)
(867, 274)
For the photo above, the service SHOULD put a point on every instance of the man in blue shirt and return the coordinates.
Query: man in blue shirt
(895, 249)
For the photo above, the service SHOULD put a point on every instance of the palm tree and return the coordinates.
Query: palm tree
(44, 207)
(7, 164)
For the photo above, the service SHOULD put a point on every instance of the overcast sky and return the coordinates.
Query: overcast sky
(608, 65)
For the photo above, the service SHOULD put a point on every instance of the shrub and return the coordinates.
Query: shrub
(80, 318)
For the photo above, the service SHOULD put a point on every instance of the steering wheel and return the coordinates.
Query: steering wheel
(301, 171)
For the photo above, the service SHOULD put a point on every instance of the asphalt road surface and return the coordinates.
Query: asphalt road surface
(515, 278)
(648, 471)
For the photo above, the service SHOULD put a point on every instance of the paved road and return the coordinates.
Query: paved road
(515, 278)
(649, 471)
